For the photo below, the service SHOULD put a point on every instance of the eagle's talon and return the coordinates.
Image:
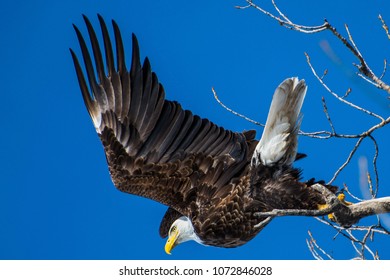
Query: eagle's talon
(341, 198)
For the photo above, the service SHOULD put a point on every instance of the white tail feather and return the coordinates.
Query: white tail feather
(279, 141)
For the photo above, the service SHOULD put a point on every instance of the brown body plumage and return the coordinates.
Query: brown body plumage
(155, 149)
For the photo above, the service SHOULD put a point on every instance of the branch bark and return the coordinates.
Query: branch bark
(368, 208)
(344, 215)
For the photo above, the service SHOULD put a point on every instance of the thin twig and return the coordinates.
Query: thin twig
(374, 164)
(351, 45)
(384, 69)
(232, 111)
(314, 243)
(313, 251)
(347, 233)
(347, 161)
(346, 189)
(264, 223)
(378, 229)
(327, 115)
(385, 27)
(336, 95)
(286, 23)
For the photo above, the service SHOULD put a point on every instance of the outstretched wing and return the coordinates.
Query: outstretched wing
(154, 148)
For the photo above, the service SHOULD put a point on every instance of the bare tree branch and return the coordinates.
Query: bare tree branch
(369, 207)
(385, 27)
(359, 108)
(286, 22)
(364, 71)
(232, 111)
(345, 216)
(331, 200)
(315, 249)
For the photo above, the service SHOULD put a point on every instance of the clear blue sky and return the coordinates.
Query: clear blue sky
(56, 197)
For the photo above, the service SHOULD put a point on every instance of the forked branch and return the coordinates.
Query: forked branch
(346, 216)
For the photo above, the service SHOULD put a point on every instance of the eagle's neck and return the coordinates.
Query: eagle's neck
(187, 230)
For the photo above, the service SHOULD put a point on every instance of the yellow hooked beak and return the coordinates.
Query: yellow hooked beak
(171, 242)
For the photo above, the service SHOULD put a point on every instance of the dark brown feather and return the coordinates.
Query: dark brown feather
(154, 148)
(170, 216)
(157, 150)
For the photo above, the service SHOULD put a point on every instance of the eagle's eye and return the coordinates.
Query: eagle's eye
(172, 230)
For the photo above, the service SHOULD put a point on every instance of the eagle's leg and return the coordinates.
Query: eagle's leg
(340, 197)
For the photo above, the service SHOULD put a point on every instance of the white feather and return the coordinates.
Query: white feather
(279, 140)
(186, 230)
(97, 121)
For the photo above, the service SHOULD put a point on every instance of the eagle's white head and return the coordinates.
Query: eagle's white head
(180, 231)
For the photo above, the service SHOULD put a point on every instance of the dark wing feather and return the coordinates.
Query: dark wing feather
(170, 216)
(154, 148)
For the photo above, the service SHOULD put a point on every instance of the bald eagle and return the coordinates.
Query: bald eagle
(213, 180)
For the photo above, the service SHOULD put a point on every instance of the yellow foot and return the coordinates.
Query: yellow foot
(340, 197)
(324, 206)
